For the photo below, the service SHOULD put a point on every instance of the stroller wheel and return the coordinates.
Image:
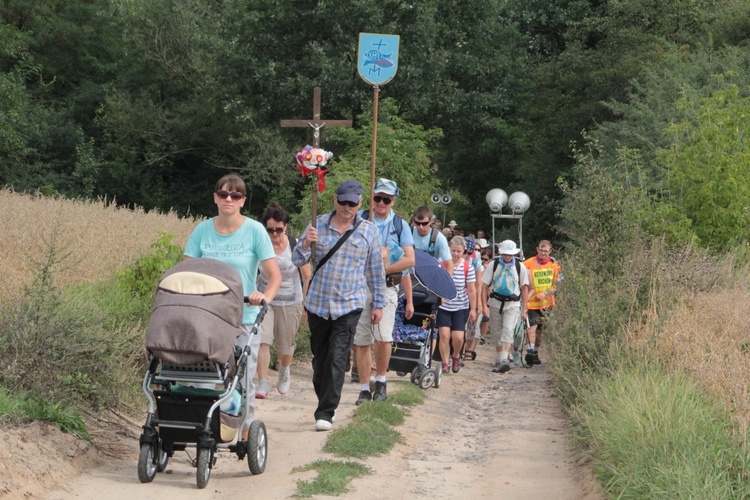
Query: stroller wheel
(257, 453)
(427, 379)
(204, 466)
(146, 466)
(401, 374)
(416, 373)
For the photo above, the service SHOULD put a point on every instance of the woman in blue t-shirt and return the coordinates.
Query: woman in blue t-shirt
(244, 244)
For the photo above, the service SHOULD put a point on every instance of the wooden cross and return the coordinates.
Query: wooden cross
(316, 123)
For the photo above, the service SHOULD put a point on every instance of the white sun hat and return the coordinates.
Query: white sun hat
(508, 247)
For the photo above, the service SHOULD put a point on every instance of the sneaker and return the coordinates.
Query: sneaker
(261, 392)
(323, 425)
(284, 380)
(456, 365)
(446, 368)
(517, 358)
(380, 392)
(504, 367)
(537, 361)
(355, 376)
(496, 367)
(364, 396)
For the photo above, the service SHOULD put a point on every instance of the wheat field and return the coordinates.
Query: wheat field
(83, 240)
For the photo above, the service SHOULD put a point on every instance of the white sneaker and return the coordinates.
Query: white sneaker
(284, 380)
(323, 425)
(261, 392)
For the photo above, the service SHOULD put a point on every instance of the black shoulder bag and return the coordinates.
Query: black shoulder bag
(333, 250)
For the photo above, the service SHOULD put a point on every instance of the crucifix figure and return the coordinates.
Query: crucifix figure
(316, 124)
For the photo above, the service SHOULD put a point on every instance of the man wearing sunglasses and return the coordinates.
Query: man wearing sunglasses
(430, 239)
(397, 247)
(348, 279)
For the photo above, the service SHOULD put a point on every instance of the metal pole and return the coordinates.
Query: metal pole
(493, 237)
(376, 92)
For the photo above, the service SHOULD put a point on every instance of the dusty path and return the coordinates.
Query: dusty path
(480, 435)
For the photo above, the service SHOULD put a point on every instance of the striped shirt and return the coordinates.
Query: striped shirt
(340, 286)
(462, 298)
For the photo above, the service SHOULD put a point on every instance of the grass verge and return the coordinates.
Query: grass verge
(370, 433)
(654, 434)
(332, 479)
(19, 407)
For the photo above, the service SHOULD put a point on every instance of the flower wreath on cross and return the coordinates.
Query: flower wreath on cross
(312, 160)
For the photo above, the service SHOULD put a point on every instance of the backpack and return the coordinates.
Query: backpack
(398, 223)
(503, 284)
(433, 239)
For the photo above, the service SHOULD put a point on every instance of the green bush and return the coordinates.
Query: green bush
(59, 347)
(141, 277)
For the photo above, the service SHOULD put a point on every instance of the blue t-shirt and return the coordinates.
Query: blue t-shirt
(390, 238)
(442, 249)
(244, 249)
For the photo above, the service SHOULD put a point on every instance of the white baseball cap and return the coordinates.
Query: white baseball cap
(508, 247)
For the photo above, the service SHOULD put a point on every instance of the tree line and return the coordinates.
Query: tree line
(148, 103)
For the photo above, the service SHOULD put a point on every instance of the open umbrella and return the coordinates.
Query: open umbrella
(432, 276)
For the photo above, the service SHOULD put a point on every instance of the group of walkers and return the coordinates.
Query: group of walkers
(348, 291)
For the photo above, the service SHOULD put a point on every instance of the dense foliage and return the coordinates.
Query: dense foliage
(150, 102)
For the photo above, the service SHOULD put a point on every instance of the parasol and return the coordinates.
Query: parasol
(434, 278)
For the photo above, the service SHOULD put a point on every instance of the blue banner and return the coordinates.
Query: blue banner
(378, 57)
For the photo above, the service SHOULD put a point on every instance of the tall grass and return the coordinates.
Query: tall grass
(650, 348)
(656, 435)
(92, 239)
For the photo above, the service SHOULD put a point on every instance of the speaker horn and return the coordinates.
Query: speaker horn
(436, 198)
(496, 199)
(519, 202)
(447, 198)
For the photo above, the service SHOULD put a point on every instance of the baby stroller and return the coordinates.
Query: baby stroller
(413, 341)
(195, 398)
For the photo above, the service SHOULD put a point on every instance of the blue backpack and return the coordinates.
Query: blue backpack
(503, 284)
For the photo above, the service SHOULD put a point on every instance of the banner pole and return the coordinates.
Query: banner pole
(376, 92)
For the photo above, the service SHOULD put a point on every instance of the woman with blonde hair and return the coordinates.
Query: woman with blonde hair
(454, 313)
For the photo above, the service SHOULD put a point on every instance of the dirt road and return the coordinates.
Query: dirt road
(480, 435)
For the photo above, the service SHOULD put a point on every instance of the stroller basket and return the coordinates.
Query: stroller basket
(183, 413)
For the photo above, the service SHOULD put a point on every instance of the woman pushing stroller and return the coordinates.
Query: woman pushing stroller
(244, 244)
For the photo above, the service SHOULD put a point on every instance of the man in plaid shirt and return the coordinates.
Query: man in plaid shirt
(338, 291)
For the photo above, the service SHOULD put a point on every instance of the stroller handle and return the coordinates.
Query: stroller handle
(261, 313)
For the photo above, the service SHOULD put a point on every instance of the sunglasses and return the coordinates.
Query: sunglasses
(425, 223)
(351, 204)
(235, 195)
(277, 230)
(384, 199)
(485, 260)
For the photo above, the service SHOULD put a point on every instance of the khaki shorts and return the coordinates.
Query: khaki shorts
(503, 325)
(367, 333)
(280, 326)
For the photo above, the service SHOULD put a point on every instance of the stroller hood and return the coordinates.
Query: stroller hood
(197, 313)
